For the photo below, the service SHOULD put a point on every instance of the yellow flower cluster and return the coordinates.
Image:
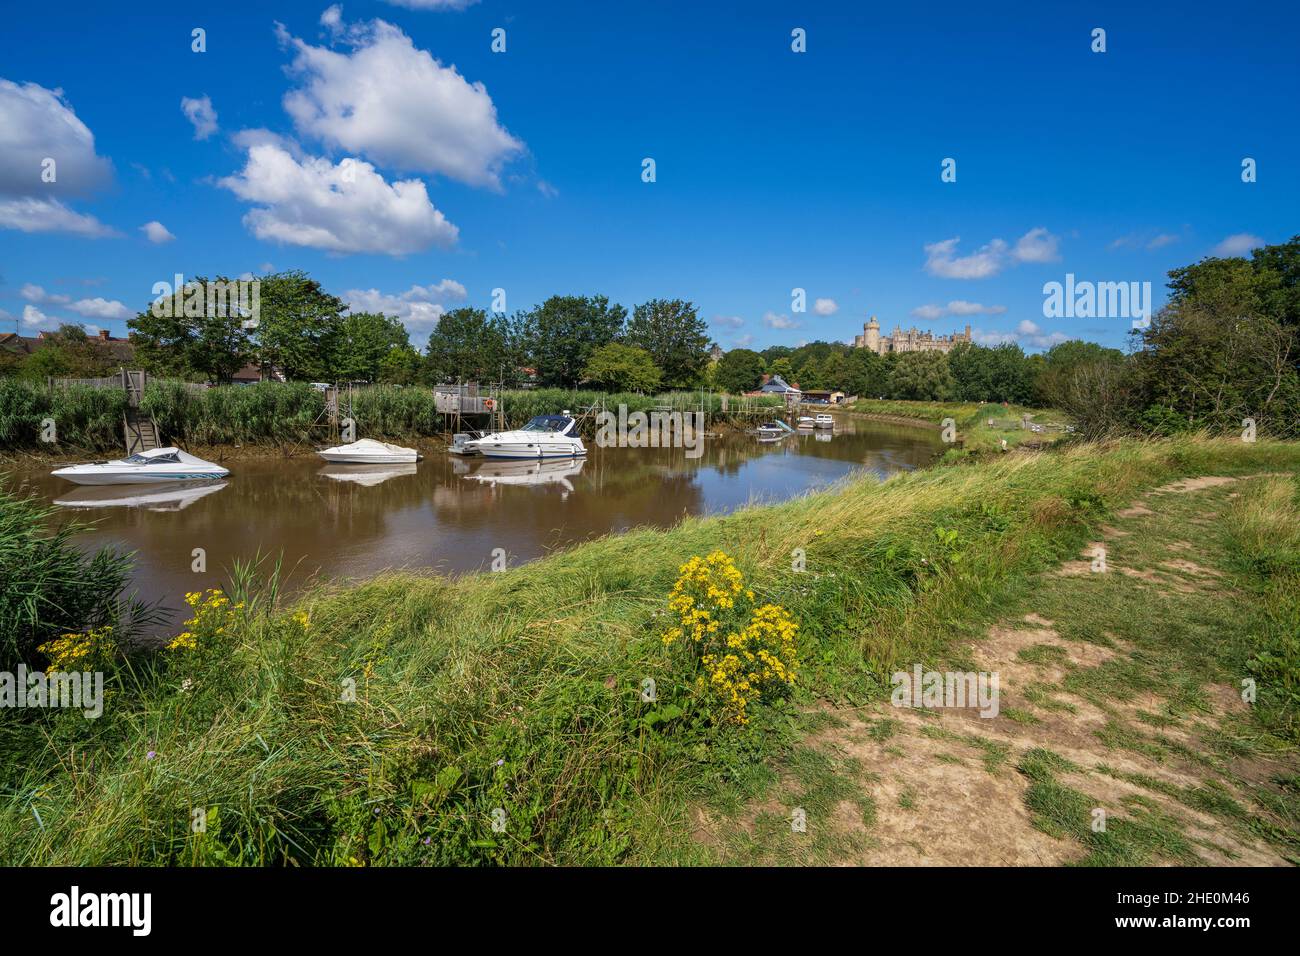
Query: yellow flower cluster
(213, 613)
(79, 650)
(742, 655)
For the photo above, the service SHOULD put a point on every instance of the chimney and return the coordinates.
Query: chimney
(103, 335)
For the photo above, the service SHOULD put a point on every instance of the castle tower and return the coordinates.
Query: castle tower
(871, 335)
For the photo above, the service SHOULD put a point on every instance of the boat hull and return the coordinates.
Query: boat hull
(343, 458)
(533, 454)
(152, 478)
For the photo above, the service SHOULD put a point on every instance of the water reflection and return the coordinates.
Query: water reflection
(448, 514)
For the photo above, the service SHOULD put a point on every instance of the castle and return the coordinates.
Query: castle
(910, 341)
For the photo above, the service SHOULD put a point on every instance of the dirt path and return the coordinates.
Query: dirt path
(1116, 740)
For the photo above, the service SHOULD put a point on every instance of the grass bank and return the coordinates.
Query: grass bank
(501, 718)
(971, 419)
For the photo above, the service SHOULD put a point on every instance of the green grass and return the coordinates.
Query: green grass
(974, 434)
(520, 691)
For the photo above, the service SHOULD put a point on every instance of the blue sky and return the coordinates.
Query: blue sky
(522, 170)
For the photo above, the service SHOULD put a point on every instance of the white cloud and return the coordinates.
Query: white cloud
(419, 307)
(156, 232)
(774, 321)
(825, 306)
(340, 208)
(941, 259)
(200, 113)
(96, 308)
(49, 215)
(1027, 335)
(742, 341)
(931, 312)
(396, 104)
(728, 321)
(34, 317)
(433, 4)
(1238, 244)
(1037, 245)
(1162, 240)
(37, 124)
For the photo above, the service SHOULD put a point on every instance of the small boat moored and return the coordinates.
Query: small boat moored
(144, 468)
(807, 421)
(825, 421)
(367, 451)
(546, 436)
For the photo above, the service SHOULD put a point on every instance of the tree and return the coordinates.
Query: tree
(69, 353)
(1055, 384)
(782, 367)
(469, 345)
(564, 330)
(616, 367)
(363, 341)
(740, 370)
(298, 326)
(675, 336)
(401, 366)
(922, 376)
(182, 336)
(866, 374)
(1000, 374)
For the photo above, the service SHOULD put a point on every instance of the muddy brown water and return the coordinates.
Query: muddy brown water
(448, 514)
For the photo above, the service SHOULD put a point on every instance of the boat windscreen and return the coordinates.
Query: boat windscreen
(547, 423)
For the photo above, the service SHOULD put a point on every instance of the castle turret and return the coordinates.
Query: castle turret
(871, 335)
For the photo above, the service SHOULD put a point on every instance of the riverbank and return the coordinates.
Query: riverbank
(390, 722)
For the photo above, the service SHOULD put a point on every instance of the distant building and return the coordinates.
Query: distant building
(776, 385)
(121, 350)
(716, 353)
(912, 340)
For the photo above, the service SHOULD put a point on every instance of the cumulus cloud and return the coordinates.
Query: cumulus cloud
(200, 113)
(942, 260)
(1027, 335)
(956, 307)
(96, 308)
(396, 104)
(47, 154)
(774, 321)
(728, 321)
(156, 232)
(29, 214)
(825, 306)
(345, 207)
(34, 317)
(37, 124)
(433, 4)
(1238, 244)
(1037, 245)
(419, 307)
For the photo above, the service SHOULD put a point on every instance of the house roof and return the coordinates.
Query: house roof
(777, 384)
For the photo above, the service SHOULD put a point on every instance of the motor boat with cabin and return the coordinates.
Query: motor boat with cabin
(546, 436)
(774, 428)
(155, 466)
(825, 421)
(367, 451)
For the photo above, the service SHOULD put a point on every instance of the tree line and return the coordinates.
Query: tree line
(1225, 347)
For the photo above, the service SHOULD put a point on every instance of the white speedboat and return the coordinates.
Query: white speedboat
(825, 421)
(367, 451)
(807, 421)
(546, 436)
(146, 468)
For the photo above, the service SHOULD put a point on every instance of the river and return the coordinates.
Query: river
(448, 514)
